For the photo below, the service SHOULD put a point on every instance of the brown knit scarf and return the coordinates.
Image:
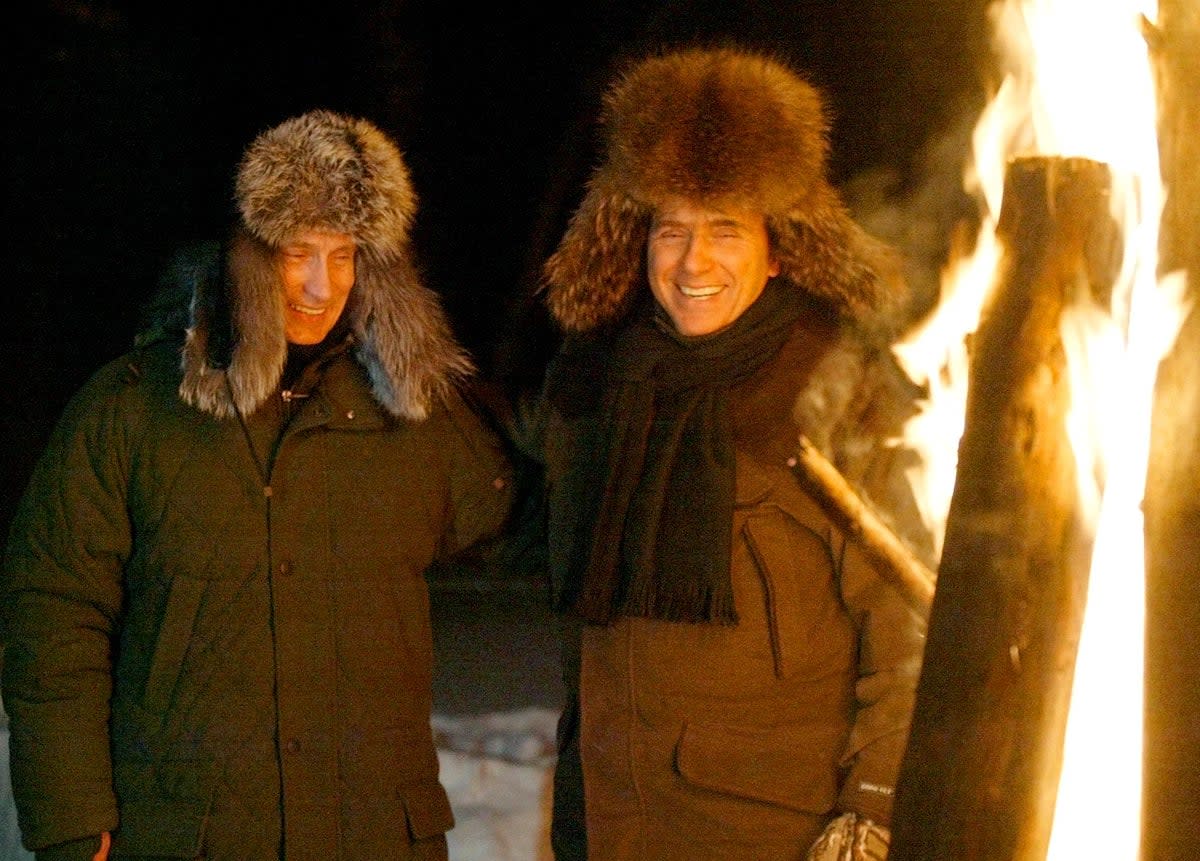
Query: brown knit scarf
(653, 477)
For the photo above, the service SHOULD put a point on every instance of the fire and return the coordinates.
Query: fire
(1077, 82)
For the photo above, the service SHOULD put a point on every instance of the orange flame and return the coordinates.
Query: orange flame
(1077, 83)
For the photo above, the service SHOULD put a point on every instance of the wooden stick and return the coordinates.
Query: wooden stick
(891, 557)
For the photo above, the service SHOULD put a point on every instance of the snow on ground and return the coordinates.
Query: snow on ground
(497, 771)
(10, 837)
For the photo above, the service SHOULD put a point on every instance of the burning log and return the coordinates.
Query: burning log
(980, 774)
(1172, 818)
(891, 557)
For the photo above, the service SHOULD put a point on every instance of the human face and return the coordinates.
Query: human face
(318, 272)
(707, 266)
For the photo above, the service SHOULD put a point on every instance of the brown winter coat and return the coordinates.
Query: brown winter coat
(741, 742)
(699, 740)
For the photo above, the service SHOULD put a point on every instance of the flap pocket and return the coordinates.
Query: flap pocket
(161, 828)
(791, 766)
(427, 809)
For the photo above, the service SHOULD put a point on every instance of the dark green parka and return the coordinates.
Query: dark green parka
(217, 624)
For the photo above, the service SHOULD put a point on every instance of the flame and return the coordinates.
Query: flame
(1077, 82)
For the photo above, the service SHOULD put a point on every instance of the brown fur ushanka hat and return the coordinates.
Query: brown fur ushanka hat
(713, 126)
(330, 172)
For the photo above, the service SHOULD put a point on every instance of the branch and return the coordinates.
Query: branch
(894, 561)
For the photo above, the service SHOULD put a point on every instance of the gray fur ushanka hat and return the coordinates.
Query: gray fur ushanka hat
(329, 172)
(713, 126)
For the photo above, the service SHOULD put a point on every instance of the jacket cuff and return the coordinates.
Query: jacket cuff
(83, 849)
(870, 786)
(870, 800)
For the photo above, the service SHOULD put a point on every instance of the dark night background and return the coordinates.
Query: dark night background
(126, 122)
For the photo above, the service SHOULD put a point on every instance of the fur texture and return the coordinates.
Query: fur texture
(714, 126)
(320, 171)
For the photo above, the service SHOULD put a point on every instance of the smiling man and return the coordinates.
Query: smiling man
(740, 680)
(707, 266)
(216, 617)
(318, 272)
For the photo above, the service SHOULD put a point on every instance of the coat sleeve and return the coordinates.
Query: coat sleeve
(67, 546)
(891, 634)
(891, 641)
(481, 478)
(863, 408)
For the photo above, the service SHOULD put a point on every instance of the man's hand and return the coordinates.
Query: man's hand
(851, 837)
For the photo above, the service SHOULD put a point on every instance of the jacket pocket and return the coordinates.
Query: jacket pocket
(791, 766)
(426, 809)
(174, 634)
(157, 828)
(806, 621)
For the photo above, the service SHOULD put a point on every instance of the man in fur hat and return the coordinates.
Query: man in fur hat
(217, 625)
(740, 679)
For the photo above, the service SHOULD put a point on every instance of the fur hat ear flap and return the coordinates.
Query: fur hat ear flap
(217, 365)
(212, 316)
(826, 254)
(594, 275)
(404, 338)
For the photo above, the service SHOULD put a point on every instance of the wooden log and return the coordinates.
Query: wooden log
(890, 556)
(1171, 803)
(981, 770)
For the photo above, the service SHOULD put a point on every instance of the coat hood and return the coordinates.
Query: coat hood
(318, 171)
(714, 126)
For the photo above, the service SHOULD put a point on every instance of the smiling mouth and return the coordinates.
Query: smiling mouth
(306, 310)
(700, 292)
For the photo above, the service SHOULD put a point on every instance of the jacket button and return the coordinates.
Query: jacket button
(293, 745)
(285, 567)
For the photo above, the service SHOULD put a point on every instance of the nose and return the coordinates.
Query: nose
(317, 282)
(698, 256)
